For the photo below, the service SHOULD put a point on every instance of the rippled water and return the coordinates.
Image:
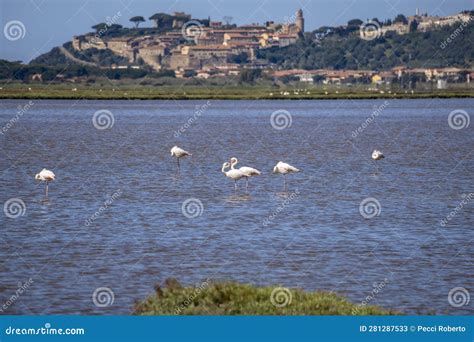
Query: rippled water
(312, 236)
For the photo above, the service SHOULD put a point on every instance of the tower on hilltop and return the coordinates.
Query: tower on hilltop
(300, 20)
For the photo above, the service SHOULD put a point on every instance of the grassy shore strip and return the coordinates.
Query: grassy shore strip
(236, 299)
(172, 93)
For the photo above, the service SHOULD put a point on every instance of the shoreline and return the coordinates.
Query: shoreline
(127, 91)
(354, 96)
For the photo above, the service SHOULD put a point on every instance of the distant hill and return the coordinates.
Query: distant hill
(336, 48)
(349, 51)
(335, 51)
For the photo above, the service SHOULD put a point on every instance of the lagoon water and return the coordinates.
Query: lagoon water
(312, 237)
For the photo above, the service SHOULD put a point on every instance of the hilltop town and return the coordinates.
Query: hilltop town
(204, 48)
(182, 43)
(403, 52)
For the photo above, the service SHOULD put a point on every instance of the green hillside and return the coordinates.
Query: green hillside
(346, 50)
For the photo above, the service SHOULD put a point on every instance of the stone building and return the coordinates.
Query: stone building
(88, 42)
(399, 28)
(122, 47)
(286, 39)
(230, 38)
(300, 20)
(152, 55)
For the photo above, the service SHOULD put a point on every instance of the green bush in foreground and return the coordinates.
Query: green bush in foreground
(237, 299)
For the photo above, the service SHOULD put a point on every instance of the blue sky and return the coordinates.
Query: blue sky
(49, 23)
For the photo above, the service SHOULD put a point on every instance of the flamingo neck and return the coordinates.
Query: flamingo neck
(232, 165)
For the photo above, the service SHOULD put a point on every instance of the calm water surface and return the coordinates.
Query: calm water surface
(316, 238)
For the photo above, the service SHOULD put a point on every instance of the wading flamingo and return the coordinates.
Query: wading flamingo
(232, 174)
(247, 171)
(179, 153)
(377, 155)
(284, 169)
(45, 176)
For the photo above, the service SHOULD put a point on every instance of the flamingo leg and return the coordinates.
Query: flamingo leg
(235, 185)
(46, 189)
(178, 162)
(285, 185)
(247, 182)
